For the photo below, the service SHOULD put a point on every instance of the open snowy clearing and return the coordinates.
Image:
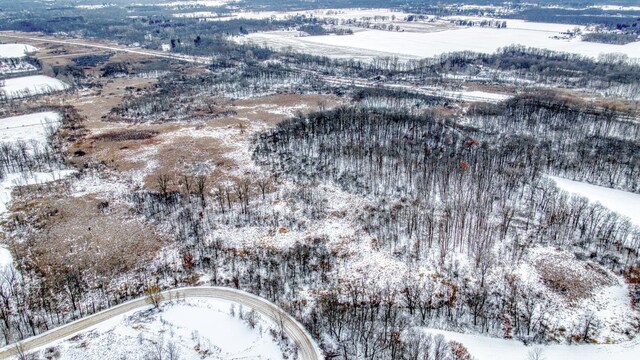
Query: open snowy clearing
(487, 348)
(622, 202)
(194, 328)
(423, 44)
(28, 128)
(16, 50)
(31, 85)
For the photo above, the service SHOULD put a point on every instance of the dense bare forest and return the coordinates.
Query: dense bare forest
(372, 198)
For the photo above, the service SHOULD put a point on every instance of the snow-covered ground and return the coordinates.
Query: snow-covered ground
(31, 85)
(622, 202)
(15, 50)
(194, 328)
(421, 44)
(28, 128)
(488, 348)
(32, 129)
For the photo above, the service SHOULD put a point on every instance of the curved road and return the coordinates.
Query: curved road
(308, 349)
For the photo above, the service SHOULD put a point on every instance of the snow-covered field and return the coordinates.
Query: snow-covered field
(421, 44)
(32, 129)
(15, 50)
(192, 328)
(622, 202)
(28, 128)
(31, 85)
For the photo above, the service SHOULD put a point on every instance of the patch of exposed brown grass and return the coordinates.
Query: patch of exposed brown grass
(83, 234)
(573, 279)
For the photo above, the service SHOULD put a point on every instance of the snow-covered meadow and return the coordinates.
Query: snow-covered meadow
(31, 127)
(16, 50)
(191, 329)
(421, 40)
(31, 85)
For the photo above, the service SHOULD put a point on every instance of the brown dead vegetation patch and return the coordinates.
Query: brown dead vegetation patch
(83, 235)
(573, 279)
(208, 146)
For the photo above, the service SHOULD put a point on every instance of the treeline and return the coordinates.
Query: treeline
(585, 16)
(611, 38)
(547, 66)
(610, 74)
(500, 24)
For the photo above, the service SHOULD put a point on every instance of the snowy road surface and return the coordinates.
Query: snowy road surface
(309, 350)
